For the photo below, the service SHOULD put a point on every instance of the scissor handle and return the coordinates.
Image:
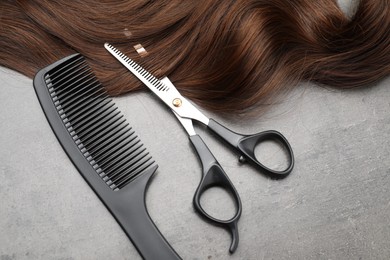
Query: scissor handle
(246, 145)
(215, 176)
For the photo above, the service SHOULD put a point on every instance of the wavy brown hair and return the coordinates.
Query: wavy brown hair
(227, 56)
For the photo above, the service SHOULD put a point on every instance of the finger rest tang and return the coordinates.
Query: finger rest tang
(214, 176)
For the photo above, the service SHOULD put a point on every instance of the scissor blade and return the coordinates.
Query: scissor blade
(165, 90)
(148, 79)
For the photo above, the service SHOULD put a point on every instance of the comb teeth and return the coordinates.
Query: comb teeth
(152, 79)
(96, 125)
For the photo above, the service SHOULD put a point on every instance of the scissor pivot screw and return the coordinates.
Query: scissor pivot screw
(177, 102)
(242, 159)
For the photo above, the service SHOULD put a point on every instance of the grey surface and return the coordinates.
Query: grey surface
(334, 205)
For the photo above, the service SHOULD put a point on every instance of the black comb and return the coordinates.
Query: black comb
(103, 147)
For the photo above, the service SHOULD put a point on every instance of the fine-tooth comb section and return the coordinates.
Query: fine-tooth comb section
(96, 125)
(155, 82)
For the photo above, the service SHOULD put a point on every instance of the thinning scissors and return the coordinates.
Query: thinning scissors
(213, 174)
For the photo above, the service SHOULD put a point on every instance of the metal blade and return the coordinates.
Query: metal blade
(164, 89)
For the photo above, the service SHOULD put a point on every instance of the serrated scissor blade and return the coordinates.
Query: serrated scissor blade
(166, 91)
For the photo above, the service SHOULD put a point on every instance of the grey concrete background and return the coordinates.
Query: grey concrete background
(334, 205)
